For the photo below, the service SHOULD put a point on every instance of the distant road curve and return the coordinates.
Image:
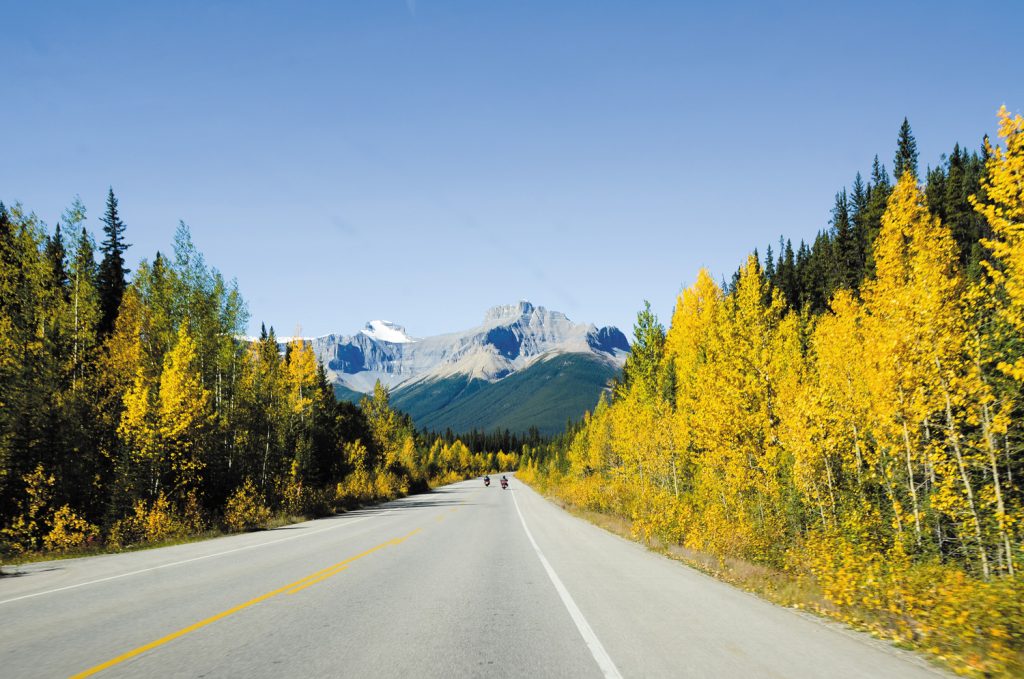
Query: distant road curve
(465, 581)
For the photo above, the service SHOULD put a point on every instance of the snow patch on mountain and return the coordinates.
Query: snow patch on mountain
(386, 331)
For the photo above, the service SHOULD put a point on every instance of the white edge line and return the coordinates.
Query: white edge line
(604, 661)
(179, 563)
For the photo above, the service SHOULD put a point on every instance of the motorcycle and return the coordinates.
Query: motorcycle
(487, 481)
(504, 484)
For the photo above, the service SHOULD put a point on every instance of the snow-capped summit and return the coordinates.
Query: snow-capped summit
(386, 331)
(512, 337)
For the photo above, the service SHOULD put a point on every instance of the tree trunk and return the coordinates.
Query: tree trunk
(954, 439)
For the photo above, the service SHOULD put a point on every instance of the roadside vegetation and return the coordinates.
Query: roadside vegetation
(842, 429)
(134, 412)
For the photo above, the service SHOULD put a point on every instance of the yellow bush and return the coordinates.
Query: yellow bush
(356, 489)
(147, 523)
(445, 478)
(129, 530)
(192, 518)
(160, 521)
(388, 486)
(69, 531)
(246, 509)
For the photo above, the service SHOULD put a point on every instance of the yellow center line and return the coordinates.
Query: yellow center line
(290, 588)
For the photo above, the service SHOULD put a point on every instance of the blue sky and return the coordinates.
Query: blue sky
(421, 161)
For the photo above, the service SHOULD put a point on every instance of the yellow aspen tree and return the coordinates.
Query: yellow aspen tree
(894, 336)
(186, 415)
(736, 423)
(998, 304)
(301, 375)
(916, 322)
(686, 343)
(139, 429)
(1003, 207)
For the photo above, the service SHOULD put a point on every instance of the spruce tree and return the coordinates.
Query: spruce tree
(858, 218)
(878, 196)
(112, 273)
(844, 269)
(56, 255)
(644, 360)
(786, 272)
(906, 152)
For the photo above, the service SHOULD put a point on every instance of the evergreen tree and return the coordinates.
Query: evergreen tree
(878, 196)
(786, 273)
(112, 272)
(56, 255)
(906, 152)
(644, 361)
(845, 269)
(858, 218)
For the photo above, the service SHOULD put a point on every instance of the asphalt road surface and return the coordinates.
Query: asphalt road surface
(465, 581)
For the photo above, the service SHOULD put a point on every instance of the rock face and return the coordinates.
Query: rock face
(510, 338)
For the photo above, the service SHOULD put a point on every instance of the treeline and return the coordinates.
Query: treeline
(843, 256)
(872, 447)
(479, 441)
(133, 409)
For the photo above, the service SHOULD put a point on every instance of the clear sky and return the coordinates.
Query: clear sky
(420, 161)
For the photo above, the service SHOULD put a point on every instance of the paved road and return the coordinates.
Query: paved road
(461, 582)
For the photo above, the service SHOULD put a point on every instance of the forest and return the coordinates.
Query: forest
(848, 416)
(133, 410)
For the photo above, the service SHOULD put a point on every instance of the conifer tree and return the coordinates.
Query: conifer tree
(906, 152)
(858, 218)
(643, 364)
(845, 260)
(112, 272)
(57, 257)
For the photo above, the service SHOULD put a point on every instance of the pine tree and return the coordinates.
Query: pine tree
(845, 250)
(906, 152)
(57, 257)
(644, 361)
(112, 272)
(858, 217)
(878, 196)
(787, 273)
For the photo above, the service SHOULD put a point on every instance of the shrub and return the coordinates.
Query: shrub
(246, 509)
(146, 523)
(69, 531)
(160, 521)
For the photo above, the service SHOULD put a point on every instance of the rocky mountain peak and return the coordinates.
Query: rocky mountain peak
(509, 311)
(511, 338)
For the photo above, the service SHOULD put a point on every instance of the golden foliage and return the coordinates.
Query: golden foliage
(245, 509)
(871, 450)
(69, 531)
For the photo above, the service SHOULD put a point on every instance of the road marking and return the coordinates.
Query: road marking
(604, 661)
(342, 565)
(179, 563)
(290, 588)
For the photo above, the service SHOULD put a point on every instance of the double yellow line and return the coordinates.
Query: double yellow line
(290, 588)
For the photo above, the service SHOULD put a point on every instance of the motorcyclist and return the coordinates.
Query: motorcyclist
(504, 481)
(487, 479)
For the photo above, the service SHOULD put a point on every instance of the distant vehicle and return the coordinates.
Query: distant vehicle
(504, 483)
(487, 480)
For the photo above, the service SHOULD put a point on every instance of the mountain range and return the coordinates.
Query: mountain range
(523, 366)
